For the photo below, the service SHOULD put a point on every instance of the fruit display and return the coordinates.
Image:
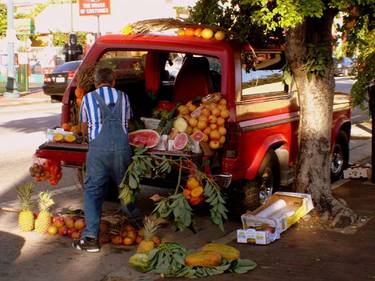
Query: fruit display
(46, 169)
(44, 219)
(173, 260)
(25, 216)
(193, 191)
(144, 138)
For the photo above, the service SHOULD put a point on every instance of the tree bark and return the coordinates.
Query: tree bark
(316, 109)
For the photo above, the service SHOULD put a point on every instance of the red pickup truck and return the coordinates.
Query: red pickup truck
(261, 144)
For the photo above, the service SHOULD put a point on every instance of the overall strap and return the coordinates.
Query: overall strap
(103, 107)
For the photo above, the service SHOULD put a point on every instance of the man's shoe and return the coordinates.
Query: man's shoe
(87, 244)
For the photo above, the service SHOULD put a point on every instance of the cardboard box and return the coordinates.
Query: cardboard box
(265, 224)
(253, 236)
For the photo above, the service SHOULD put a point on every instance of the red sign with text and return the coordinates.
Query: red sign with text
(94, 7)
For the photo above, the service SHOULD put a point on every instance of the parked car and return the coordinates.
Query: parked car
(260, 148)
(344, 67)
(56, 82)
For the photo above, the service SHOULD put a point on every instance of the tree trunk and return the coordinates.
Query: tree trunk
(316, 107)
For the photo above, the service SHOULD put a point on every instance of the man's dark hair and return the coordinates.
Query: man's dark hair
(104, 75)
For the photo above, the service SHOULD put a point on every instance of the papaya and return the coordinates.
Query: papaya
(58, 137)
(203, 258)
(69, 138)
(227, 252)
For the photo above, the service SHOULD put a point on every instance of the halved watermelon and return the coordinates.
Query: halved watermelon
(197, 136)
(180, 141)
(144, 138)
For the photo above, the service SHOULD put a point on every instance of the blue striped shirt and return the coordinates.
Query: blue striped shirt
(90, 110)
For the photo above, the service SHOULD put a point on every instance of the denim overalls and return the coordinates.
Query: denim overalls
(108, 157)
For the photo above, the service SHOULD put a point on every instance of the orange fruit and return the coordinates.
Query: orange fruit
(196, 192)
(206, 112)
(220, 121)
(202, 125)
(205, 138)
(187, 193)
(128, 241)
(222, 131)
(189, 31)
(215, 111)
(207, 130)
(196, 129)
(224, 113)
(223, 101)
(212, 119)
(66, 126)
(222, 140)
(191, 107)
(207, 33)
(198, 32)
(180, 32)
(189, 130)
(213, 126)
(193, 122)
(183, 110)
(192, 183)
(215, 135)
(219, 35)
(214, 144)
(202, 118)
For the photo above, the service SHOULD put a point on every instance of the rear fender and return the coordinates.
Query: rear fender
(342, 124)
(271, 142)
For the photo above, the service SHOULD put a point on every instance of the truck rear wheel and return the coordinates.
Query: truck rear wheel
(249, 195)
(340, 157)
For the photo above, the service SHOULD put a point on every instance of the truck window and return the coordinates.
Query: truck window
(262, 74)
(126, 64)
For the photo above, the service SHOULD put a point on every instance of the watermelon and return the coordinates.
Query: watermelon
(180, 141)
(197, 136)
(144, 138)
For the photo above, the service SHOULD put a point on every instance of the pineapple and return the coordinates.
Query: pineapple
(151, 224)
(44, 218)
(26, 216)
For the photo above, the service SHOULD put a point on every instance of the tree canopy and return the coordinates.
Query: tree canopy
(304, 29)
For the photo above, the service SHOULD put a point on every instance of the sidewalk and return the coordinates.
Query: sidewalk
(35, 95)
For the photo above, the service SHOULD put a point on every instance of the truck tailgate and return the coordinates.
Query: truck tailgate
(72, 154)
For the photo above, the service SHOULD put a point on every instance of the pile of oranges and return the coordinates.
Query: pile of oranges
(209, 118)
(193, 191)
(206, 33)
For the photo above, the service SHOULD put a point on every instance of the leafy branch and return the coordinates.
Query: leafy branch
(175, 206)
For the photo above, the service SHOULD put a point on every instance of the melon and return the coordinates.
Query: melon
(180, 141)
(197, 136)
(144, 138)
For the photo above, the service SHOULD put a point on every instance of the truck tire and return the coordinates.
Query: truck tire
(340, 156)
(249, 195)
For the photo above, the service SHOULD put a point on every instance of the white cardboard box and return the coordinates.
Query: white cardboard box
(266, 223)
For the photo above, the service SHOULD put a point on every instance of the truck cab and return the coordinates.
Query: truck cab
(261, 141)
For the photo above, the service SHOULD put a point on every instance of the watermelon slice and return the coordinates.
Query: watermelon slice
(197, 136)
(180, 141)
(144, 138)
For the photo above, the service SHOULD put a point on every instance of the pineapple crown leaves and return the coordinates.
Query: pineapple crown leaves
(45, 201)
(24, 193)
(151, 224)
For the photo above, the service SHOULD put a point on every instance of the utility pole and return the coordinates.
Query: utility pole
(71, 16)
(11, 88)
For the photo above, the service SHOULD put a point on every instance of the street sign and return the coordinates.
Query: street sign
(94, 7)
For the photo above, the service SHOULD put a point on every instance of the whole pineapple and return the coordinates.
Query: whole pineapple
(26, 216)
(44, 218)
(151, 225)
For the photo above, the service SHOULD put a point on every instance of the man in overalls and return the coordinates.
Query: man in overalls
(104, 113)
